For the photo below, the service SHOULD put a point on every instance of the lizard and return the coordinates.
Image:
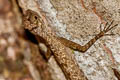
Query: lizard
(36, 24)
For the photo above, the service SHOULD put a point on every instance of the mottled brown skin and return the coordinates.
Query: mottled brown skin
(38, 26)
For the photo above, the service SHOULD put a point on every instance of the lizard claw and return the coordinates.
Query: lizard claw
(108, 27)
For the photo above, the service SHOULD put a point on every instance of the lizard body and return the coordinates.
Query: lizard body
(37, 25)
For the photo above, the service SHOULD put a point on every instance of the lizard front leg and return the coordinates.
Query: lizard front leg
(84, 48)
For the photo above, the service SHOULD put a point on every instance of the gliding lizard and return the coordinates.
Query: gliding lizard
(38, 26)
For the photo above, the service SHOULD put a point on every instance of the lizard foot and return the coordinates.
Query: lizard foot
(107, 27)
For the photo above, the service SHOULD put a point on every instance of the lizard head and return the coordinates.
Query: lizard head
(36, 23)
(32, 20)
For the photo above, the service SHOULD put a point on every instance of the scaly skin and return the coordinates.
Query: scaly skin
(38, 26)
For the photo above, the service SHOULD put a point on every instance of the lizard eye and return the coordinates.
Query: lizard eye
(35, 17)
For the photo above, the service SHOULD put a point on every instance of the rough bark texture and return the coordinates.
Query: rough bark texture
(76, 20)
(79, 20)
(17, 61)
